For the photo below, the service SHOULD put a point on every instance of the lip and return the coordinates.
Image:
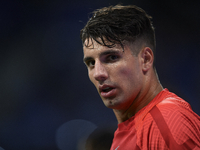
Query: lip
(109, 93)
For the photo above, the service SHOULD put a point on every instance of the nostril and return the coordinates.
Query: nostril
(100, 78)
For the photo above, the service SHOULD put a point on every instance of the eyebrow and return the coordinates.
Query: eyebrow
(110, 52)
(87, 59)
(107, 52)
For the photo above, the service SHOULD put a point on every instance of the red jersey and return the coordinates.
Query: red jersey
(166, 123)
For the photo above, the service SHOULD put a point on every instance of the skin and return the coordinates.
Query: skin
(130, 82)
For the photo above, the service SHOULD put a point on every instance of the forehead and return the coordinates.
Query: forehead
(91, 46)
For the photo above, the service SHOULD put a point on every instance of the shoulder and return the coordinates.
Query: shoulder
(175, 111)
(171, 121)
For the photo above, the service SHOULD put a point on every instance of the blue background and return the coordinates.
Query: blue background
(44, 83)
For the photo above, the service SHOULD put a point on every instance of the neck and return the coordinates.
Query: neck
(146, 95)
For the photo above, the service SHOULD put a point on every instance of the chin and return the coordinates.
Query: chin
(111, 104)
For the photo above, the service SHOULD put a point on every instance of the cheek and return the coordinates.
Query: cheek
(126, 72)
(130, 77)
(131, 70)
(130, 83)
(91, 78)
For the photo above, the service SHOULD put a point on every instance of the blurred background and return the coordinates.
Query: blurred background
(45, 93)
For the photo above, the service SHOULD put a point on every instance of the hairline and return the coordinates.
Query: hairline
(135, 46)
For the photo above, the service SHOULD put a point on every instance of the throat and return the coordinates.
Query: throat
(122, 116)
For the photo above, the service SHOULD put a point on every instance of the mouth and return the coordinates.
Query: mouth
(107, 91)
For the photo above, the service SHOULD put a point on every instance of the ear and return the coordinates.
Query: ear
(147, 59)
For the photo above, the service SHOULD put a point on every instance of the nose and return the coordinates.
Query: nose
(100, 72)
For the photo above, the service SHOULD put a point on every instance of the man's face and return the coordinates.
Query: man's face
(117, 75)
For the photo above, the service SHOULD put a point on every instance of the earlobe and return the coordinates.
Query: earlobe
(148, 58)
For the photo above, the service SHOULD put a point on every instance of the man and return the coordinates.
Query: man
(119, 46)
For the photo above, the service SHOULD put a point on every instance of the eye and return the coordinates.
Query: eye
(90, 63)
(112, 58)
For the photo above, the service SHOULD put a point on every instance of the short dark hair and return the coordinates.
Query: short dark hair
(116, 24)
